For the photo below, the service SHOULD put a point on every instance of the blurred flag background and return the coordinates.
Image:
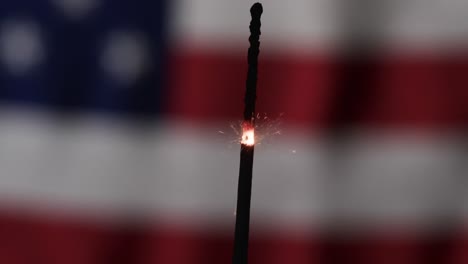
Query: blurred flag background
(119, 122)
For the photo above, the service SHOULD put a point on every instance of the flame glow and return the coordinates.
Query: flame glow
(248, 135)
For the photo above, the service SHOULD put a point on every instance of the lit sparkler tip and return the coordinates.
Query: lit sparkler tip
(248, 134)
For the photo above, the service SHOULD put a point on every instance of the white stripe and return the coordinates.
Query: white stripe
(207, 21)
(320, 23)
(97, 164)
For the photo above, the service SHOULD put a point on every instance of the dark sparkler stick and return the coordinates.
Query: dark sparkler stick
(241, 235)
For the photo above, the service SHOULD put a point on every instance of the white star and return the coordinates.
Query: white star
(76, 9)
(125, 56)
(21, 46)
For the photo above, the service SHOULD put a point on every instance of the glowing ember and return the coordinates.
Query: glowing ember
(248, 135)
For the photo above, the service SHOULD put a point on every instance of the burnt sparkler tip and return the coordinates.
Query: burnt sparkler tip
(256, 10)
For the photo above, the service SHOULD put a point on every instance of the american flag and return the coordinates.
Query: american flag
(119, 125)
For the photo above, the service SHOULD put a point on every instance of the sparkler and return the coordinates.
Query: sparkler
(244, 192)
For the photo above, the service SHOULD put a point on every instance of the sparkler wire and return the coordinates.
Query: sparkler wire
(244, 193)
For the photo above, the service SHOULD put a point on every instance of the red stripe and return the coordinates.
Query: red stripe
(29, 239)
(404, 90)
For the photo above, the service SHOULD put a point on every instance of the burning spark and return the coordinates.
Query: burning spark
(265, 130)
(248, 135)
